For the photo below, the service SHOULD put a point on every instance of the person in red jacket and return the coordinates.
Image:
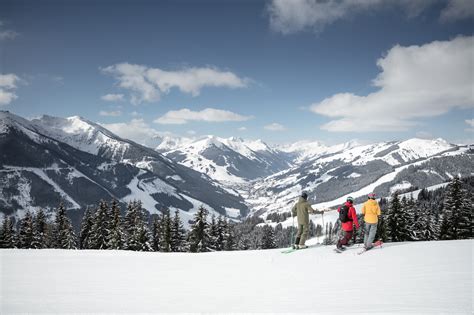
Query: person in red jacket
(348, 226)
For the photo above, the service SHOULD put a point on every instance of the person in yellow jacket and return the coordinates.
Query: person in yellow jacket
(302, 209)
(371, 212)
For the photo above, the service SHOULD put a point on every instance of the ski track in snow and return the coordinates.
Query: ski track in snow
(416, 278)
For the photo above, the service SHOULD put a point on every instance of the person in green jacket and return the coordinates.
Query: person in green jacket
(302, 209)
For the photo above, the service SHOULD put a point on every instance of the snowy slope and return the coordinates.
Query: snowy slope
(400, 278)
(394, 153)
(356, 171)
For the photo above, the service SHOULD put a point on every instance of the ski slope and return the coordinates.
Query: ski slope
(417, 278)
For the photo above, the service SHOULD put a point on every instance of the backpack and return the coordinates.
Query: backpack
(344, 214)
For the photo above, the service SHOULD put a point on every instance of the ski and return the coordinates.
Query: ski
(291, 250)
(378, 243)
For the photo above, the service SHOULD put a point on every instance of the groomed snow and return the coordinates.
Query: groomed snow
(416, 278)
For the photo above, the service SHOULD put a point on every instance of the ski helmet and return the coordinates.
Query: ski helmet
(304, 195)
(350, 199)
(371, 196)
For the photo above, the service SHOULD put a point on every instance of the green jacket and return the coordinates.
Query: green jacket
(302, 209)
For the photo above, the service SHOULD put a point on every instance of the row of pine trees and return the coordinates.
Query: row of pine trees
(439, 215)
(443, 214)
(105, 228)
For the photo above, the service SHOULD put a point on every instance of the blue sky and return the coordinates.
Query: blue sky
(277, 70)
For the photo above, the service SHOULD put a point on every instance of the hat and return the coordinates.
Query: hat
(371, 196)
(304, 195)
(350, 199)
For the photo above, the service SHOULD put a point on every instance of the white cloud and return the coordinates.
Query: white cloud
(242, 129)
(148, 84)
(470, 122)
(183, 116)
(414, 82)
(7, 34)
(112, 97)
(191, 132)
(298, 15)
(8, 85)
(110, 113)
(275, 127)
(137, 130)
(135, 114)
(457, 10)
(424, 135)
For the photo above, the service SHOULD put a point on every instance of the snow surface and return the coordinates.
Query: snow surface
(416, 278)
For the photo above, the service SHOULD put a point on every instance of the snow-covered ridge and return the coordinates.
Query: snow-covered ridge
(81, 134)
(229, 160)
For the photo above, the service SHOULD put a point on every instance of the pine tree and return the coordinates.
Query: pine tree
(64, 236)
(221, 233)
(411, 214)
(418, 225)
(229, 237)
(131, 226)
(40, 237)
(70, 239)
(165, 243)
(144, 240)
(457, 221)
(136, 231)
(101, 227)
(26, 232)
(244, 243)
(268, 237)
(86, 230)
(7, 234)
(213, 232)
(177, 243)
(430, 231)
(116, 235)
(198, 237)
(156, 234)
(396, 221)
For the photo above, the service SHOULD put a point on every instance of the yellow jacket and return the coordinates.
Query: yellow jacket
(371, 211)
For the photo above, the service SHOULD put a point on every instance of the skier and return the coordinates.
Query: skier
(302, 209)
(371, 212)
(348, 217)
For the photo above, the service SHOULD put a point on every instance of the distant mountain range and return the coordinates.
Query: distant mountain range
(46, 160)
(49, 159)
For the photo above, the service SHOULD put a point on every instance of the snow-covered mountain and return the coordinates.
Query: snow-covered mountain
(273, 181)
(330, 174)
(231, 160)
(50, 159)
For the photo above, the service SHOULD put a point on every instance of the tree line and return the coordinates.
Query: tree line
(105, 228)
(443, 214)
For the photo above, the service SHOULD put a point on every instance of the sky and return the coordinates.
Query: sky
(276, 70)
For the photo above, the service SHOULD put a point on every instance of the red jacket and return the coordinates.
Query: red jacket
(352, 216)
